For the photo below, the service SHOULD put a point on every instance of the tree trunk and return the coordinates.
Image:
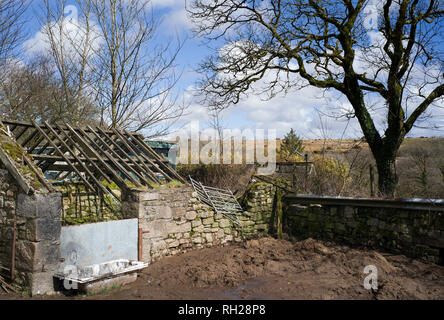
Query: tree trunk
(387, 177)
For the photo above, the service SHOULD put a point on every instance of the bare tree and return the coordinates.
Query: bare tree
(109, 51)
(135, 75)
(11, 26)
(72, 40)
(290, 44)
(33, 90)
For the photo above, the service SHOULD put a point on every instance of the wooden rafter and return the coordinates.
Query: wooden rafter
(93, 155)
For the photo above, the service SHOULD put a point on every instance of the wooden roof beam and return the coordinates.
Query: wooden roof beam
(63, 155)
(138, 174)
(115, 163)
(116, 177)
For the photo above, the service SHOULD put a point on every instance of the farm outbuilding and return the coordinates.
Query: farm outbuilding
(63, 192)
(86, 205)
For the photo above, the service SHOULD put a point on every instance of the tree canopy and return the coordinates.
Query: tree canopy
(383, 56)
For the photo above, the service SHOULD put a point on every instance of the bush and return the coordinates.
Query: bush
(291, 148)
(233, 176)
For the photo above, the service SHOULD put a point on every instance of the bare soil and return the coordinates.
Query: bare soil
(279, 269)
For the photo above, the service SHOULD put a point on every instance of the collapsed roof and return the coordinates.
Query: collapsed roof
(91, 154)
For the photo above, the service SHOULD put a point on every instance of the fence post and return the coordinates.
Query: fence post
(372, 182)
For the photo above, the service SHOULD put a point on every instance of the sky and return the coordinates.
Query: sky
(304, 110)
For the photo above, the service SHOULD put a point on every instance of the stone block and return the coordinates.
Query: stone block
(205, 213)
(224, 223)
(163, 212)
(179, 212)
(42, 283)
(148, 196)
(209, 237)
(158, 246)
(196, 223)
(172, 227)
(37, 256)
(208, 221)
(156, 228)
(191, 215)
(174, 244)
(43, 229)
(199, 228)
(39, 205)
(186, 227)
(220, 234)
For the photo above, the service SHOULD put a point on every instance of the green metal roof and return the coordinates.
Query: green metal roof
(159, 144)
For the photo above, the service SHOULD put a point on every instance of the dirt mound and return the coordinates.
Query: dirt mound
(278, 269)
(270, 268)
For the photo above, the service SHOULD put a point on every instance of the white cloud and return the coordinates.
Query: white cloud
(73, 38)
(176, 20)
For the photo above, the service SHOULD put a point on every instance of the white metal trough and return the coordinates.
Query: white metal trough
(95, 272)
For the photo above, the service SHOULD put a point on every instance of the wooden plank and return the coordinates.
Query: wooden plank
(151, 152)
(139, 174)
(125, 142)
(55, 158)
(110, 158)
(142, 153)
(114, 153)
(63, 155)
(48, 163)
(17, 137)
(11, 167)
(99, 184)
(93, 177)
(30, 125)
(29, 138)
(36, 143)
(158, 159)
(89, 160)
(38, 174)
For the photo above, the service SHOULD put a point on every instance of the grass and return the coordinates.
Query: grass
(16, 152)
(105, 290)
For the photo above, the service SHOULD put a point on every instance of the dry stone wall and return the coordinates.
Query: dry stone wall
(417, 233)
(8, 195)
(173, 220)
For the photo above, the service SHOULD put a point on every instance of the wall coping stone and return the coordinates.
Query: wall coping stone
(402, 203)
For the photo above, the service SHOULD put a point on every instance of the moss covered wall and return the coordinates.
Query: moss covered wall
(413, 232)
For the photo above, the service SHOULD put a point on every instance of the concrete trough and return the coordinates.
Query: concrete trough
(100, 276)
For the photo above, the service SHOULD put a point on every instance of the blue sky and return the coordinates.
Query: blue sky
(295, 110)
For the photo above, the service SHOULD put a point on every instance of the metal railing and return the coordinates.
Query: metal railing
(221, 200)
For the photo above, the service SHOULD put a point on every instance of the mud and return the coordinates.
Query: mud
(279, 269)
